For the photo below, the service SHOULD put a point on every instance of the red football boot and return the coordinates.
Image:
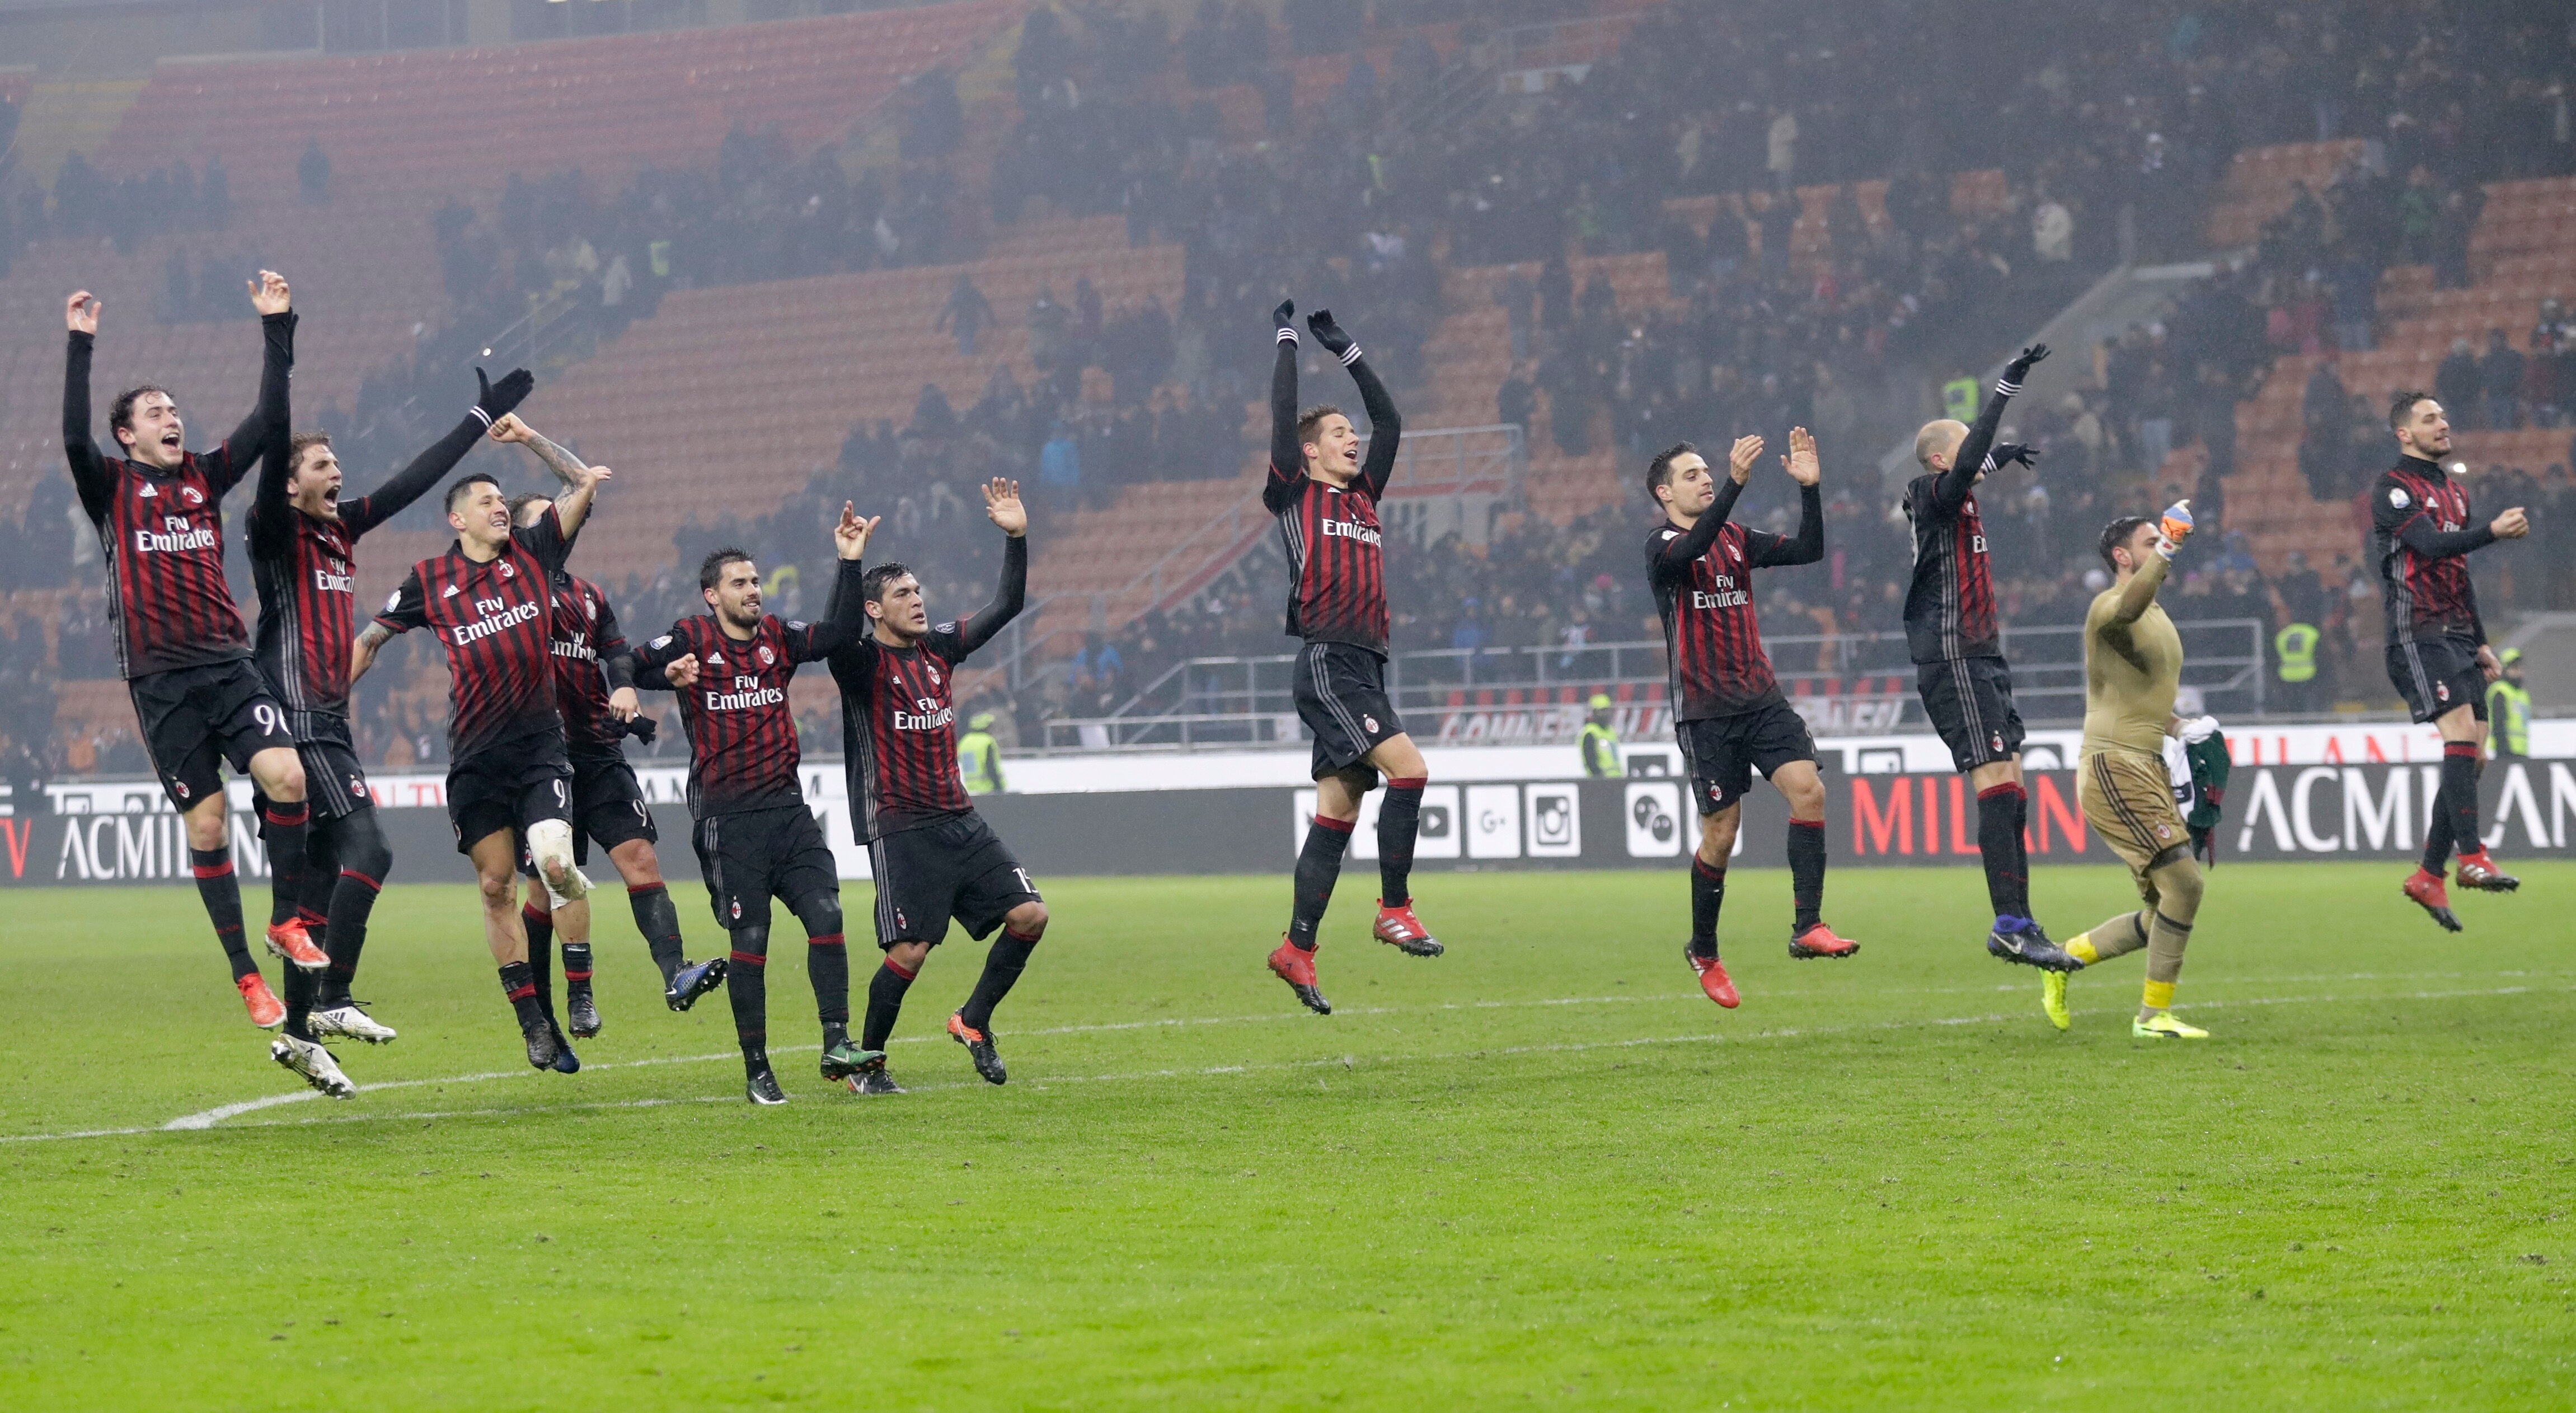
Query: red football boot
(1296, 966)
(1820, 941)
(2425, 890)
(289, 942)
(1397, 927)
(2480, 872)
(1713, 979)
(266, 1011)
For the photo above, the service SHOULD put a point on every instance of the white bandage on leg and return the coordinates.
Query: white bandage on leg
(550, 841)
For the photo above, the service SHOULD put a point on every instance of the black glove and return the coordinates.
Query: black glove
(2009, 452)
(642, 728)
(2018, 371)
(1328, 333)
(495, 400)
(1285, 318)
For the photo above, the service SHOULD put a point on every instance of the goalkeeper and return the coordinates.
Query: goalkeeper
(2132, 671)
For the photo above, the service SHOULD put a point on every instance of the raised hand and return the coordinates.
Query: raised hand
(508, 428)
(2010, 452)
(80, 312)
(495, 400)
(269, 294)
(1285, 318)
(1328, 333)
(1740, 459)
(2175, 526)
(850, 536)
(1801, 462)
(2018, 370)
(1002, 506)
(681, 671)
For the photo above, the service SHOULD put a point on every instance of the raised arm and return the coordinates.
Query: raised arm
(1950, 491)
(232, 461)
(1386, 429)
(1002, 504)
(492, 404)
(1808, 545)
(2140, 591)
(847, 622)
(89, 469)
(1680, 551)
(272, 522)
(1287, 455)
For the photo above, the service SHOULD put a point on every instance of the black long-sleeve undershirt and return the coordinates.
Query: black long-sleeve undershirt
(1808, 545)
(979, 628)
(1288, 454)
(1950, 489)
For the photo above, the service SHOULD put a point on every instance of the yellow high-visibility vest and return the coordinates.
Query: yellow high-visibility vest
(2296, 646)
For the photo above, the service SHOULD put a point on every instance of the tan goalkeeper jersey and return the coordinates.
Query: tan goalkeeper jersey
(2131, 672)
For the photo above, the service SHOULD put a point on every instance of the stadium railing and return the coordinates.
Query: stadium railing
(1842, 683)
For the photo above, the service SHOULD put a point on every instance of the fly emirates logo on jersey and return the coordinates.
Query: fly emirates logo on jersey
(1725, 595)
(933, 715)
(179, 534)
(1350, 530)
(494, 616)
(332, 576)
(745, 692)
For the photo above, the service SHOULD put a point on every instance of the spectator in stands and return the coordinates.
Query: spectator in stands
(966, 312)
(2456, 382)
(313, 173)
(2500, 375)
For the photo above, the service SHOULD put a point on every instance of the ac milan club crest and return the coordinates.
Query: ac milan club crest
(767, 658)
(1371, 723)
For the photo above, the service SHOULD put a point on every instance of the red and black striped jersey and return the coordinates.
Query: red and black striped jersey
(1712, 642)
(492, 618)
(586, 639)
(2421, 533)
(1950, 606)
(162, 532)
(899, 714)
(305, 568)
(742, 732)
(1335, 546)
(1336, 562)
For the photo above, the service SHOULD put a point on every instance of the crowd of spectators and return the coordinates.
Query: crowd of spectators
(1692, 137)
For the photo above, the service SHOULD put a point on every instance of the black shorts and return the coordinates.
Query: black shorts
(195, 719)
(509, 786)
(755, 855)
(2435, 675)
(334, 782)
(1341, 696)
(1722, 752)
(607, 806)
(1970, 702)
(955, 869)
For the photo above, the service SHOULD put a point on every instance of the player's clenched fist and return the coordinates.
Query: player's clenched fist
(2175, 526)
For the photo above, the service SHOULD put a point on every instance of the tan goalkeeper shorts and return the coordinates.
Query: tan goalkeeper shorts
(2128, 801)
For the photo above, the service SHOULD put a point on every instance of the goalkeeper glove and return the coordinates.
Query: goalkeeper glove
(1330, 335)
(1285, 317)
(2175, 527)
(2018, 371)
(493, 401)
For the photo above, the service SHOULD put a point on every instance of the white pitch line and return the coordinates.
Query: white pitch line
(212, 1116)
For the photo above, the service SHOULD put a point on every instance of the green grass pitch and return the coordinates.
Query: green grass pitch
(1539, 1171)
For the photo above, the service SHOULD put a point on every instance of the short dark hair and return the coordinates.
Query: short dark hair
(301, 443)
(2116, 534)
(457, 488)
(1311, 418)
(120, 413)
(522, 501)
(711, 569)
(1659, 472)
(2402, 406)
(872, 584)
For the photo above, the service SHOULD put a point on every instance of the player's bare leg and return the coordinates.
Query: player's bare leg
(1717, 833)
(1399, 824)
(496, 874)
(1804, 789)
(972, 1024)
